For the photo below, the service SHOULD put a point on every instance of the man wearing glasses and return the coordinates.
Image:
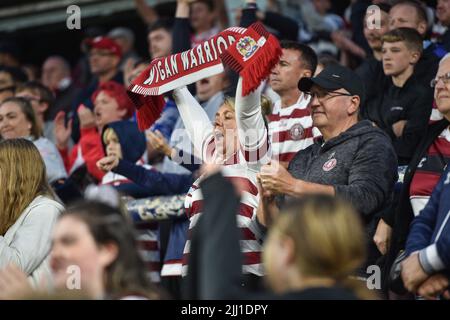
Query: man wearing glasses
(353, 160)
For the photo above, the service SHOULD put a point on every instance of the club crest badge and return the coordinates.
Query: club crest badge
(247, 46)
(330, 164)
(297, 132)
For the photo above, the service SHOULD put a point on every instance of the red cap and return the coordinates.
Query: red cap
(105, 43)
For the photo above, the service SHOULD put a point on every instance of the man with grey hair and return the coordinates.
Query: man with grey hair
(125, 39)
(56, 75)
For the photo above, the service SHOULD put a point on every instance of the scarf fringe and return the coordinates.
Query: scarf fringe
(261, 66)
(148, 109)
(257, 68)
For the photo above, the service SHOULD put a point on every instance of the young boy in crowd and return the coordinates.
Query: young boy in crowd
(404, 107)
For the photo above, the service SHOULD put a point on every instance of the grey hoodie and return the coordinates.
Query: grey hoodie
(360, 163)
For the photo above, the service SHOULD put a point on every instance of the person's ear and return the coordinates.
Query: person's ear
(422, 28)
(415, 56)
(108, 254)
(43, 106)
(306, 74)
(354, 105)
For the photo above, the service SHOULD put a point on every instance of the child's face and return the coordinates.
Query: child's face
(113, 146)
(397, 58)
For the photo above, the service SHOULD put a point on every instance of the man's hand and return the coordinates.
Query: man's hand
(398, 128)
(108, 163)
(413, 274)
(159, 143)
(61, 132)
(275, 179)
(434, 286)
(382, 237)
(86, 116)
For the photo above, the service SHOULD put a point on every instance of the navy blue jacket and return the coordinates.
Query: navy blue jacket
(133, 145)
(430, 230)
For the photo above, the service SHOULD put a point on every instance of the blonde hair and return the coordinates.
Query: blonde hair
(329, 239)
(109, 134)
(23, 178)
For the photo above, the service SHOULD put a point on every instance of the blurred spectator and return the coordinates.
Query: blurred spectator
(124, 37)
(32, 72)
(9, 54)
(159, 38)
(370, 71)
(443, 15)
(82, 74)
(28, 210)
(18, 120)
(283, 27)
(324, 61)
(111, 104)
(10, 77)
(104, 58)
(42, 101)
(198, 15)
(56, 77)
(103, 246)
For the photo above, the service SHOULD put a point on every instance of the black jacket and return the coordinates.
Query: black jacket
(413, 103)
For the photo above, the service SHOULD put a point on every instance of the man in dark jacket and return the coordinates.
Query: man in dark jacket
(353, 160)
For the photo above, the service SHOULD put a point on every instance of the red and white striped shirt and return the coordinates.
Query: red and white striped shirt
(290, 129)
(251, 240)
(429, 171)
(242, 167)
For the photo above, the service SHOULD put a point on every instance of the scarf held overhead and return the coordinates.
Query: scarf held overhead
(204, 60)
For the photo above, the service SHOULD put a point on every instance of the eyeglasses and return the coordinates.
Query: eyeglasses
(326, 95)
(445, 79)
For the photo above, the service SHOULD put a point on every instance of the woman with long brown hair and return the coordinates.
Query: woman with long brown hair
(28, 210)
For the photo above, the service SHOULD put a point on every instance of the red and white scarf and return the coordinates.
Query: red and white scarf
(253, 56)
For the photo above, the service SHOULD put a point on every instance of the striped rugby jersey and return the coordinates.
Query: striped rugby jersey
(429, 171)
(290, 129)
(240, 167)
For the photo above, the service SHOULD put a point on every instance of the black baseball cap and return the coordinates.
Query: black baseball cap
(335, 77)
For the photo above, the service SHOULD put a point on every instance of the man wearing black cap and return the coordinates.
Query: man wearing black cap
(353, 160)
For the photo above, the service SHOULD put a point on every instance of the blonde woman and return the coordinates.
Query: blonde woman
(28, 210)
(311, 252)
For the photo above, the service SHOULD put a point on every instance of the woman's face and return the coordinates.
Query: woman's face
(13, 123)
(225, 131)
(75, 254)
